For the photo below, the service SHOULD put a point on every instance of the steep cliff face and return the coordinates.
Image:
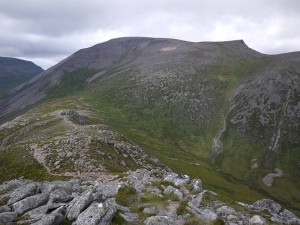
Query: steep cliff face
(188, 104)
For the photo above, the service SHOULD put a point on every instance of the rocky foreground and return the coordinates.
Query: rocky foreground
(138, 197)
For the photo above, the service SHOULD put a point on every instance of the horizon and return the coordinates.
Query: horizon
(154, 38)
(45, 34)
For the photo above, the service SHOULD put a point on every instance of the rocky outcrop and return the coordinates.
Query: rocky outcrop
(159, 220)
(90, 201)
(268, 204)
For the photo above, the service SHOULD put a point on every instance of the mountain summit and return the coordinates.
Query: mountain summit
(219, 110)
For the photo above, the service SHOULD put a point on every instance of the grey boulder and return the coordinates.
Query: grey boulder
(24, 192)
(7, 217)
(4, 208)
(267, 204)
(92, 215)
(177, 179)
(159, 220)
(78, 204)
(197, 185)
(256, 220)
(30, 203)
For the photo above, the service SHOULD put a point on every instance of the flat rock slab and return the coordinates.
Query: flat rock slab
(159, 220)
(30, 203)
(78, 204)
(7, 217)
(92, 215)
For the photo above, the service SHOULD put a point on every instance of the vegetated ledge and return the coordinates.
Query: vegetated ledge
(150, 197)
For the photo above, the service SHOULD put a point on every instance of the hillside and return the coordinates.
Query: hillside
(14, 72)
(215, 110)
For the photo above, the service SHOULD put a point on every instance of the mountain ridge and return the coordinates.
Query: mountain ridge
(175, 98)
(14, 72)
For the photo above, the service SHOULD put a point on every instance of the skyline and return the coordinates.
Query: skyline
(48, 31)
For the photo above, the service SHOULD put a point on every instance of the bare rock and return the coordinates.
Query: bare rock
(5, 208)
(289, 217)
(177, 179)
(7, 217)
(54, 218)
(30, 203)
(203, 214)
(159, 220)
(171, 189)
(129, 217)
(267, 204)
(197, 185)
(78, 204)
(92, 215)
(256, 220)
(24, 192)
(225, 210)
(59, 196)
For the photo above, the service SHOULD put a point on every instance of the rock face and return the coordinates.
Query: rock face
(268, 204)
(159, 220)
(78, 204)
(87, 201)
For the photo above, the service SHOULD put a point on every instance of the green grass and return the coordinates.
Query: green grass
(182, 207)
(118, 219)
(165, 131)
(154, 199)
(3, 201)
(126, 196)
(12, 166)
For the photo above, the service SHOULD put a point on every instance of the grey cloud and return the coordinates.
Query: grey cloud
(48, 30)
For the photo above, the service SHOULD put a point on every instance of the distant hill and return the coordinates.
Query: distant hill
(14, 72)
(214, 110)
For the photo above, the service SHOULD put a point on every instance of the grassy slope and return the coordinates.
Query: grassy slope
(164, 130)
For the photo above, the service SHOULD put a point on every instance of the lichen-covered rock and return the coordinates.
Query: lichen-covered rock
(29, 203)
(78, 204)
(14, 184)
(225, 210)
(108, 189)
(24, 192)
(57, 185)
(129, 217)
(267, 204)
(256, 220)
(92, 215)
(203, 214)
(151, 210)
(59, 196)
(177, 179)
(159, 220)
(5, 208)
(197, 185)
(171, 189)
(196, 201)
(7, 217)
(54, 218)
(289, 217)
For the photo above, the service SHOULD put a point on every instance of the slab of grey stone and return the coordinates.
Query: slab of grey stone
(92, 215)
(159, 220)
(30, 203)
(78, 204)
(7, 217)
(268, 204)
(24, 192)
(5, 208)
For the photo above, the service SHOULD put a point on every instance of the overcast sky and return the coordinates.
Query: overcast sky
(46, 31)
